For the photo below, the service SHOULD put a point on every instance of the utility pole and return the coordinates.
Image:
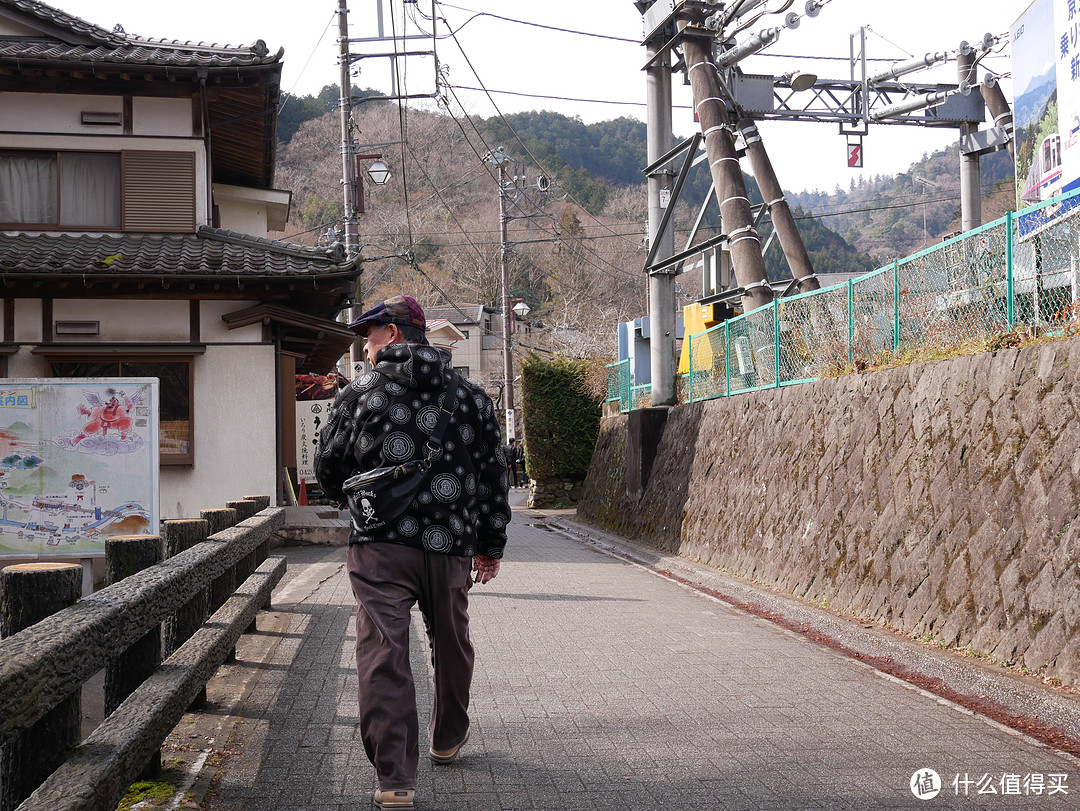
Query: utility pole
(507, 313)
(348, 163)
(802, 270)
(970, 169)
(659, 140)
(500, 159)
(736, 217)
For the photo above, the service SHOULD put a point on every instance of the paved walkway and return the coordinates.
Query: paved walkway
(600, 685)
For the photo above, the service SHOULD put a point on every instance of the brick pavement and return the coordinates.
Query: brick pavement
(600, 685)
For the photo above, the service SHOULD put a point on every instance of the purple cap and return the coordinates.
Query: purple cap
(401, 310)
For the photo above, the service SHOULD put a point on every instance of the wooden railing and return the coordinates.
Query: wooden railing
(214, 568)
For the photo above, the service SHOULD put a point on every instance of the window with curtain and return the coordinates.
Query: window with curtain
(66, 189)
(175, 413)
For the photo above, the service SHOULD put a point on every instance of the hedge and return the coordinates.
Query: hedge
(560, 416)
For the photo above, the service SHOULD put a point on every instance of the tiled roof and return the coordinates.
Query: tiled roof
(460, 314)
(208, 252)
(90, 43)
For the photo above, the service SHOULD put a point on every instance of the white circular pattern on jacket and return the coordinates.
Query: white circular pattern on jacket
(408, 526)
(427, 353)
(479, 400)
(406, 368)
(427, 418)
(424, 497)
(461, 393)
(365, 441)
(437, 539)
(377, 401)
(425, 369)
(446, 487)
(457, 526)
(400, 413)
(395, 388)
(365, 381)
(483, 490)
(398, 447)
(467, 433)
(470, 484)
(498, 521)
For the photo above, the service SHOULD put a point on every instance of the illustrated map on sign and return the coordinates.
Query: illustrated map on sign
(78, 463)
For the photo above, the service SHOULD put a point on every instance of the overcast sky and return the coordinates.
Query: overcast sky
(511, 57)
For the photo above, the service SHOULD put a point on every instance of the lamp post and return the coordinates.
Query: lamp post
(378, 173)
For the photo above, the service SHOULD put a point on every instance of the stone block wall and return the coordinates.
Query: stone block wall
(940, 498)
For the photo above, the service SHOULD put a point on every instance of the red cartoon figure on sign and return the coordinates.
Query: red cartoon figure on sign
(106, 416)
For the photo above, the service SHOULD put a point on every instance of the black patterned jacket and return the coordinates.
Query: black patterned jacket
(384, 417)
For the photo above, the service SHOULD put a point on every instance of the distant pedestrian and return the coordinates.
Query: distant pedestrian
(523, 476)
(512, 451)
(455, 521)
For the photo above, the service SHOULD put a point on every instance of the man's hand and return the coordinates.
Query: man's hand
(486, 568)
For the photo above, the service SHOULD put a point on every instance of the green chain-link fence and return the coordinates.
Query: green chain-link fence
(1022, 270)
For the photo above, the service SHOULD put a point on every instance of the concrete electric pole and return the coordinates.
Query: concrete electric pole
(970, 168)
(736, 217)
(659, 140)
(348, 164)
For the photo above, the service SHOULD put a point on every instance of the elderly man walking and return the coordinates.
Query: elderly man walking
(436, 432)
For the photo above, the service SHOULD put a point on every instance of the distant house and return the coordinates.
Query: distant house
(478, 355)
(136, 193)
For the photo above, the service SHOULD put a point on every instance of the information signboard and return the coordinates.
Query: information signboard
(78, 463)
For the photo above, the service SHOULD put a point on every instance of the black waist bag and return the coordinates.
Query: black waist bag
(379, 497)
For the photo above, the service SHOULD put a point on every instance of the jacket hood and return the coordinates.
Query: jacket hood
(415, 366)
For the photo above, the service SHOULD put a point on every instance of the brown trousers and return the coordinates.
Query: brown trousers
(387, 579)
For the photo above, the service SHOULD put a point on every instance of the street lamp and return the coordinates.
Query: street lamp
(379, 173)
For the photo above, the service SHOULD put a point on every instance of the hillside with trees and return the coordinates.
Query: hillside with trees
(578, 251)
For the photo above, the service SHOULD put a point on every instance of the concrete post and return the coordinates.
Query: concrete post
(261, 503)
(736, 216)
(659, 141)
(970, 169)
(181, 535)
(29, 592)
(999, 109)
(250, 562)
(124, 556)
(788, 232)
(223, 587)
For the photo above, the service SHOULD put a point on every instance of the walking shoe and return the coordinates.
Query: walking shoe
(400, 799)
(447, 755)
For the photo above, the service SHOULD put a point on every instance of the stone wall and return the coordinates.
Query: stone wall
(939, 498)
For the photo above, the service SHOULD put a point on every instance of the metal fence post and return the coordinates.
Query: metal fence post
(727, 359)
(776, 343)
(1010, 292)
(690, 358)
(896, 305)
(851, 321)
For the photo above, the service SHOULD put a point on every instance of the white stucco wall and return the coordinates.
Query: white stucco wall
(62, 113)
(235, 445)
(214, 330)
(27, 321)
(130, 320)
(151, 116)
